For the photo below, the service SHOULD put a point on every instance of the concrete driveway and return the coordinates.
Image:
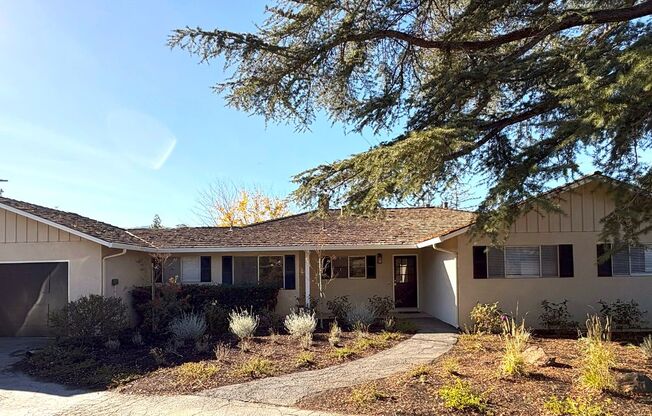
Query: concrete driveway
(21, 395)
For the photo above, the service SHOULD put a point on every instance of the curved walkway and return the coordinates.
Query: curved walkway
(434, 339)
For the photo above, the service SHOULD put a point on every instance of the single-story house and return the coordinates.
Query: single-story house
(424, 259)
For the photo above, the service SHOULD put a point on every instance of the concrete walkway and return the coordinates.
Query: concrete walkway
(434, 339)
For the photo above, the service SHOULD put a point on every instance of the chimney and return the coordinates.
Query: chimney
(446, 204)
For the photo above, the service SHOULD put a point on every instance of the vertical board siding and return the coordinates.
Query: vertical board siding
(3, 227)
(32, 231)
(53, 234)
(10, 235)
(42, 232)
(16, 228)
(21, 229)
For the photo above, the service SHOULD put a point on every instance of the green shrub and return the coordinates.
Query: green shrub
(597, 356)
(623, 315)
(217, 319)
(646, 347)
(360, 318)
(305, 359)
(571, 407)
(194, 374)
(188, 326)
(555, 316)
(339, 307)
(486, 318)
(366, 395)
(334, 335)
(515, 338)
(154, 315)
(451, 366)
(342, 353)
(255, 367)
(459, 395)
(91, 318)
(381, 307)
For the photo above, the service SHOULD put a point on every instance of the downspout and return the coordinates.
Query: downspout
(122, 253)
(457, 280)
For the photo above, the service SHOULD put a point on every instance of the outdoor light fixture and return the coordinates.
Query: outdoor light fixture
(379, 258)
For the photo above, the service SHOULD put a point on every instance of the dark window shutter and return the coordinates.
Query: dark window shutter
(479, 262)
(290, 273)
(566, 268)
(371, 267)
(227, 270)
(205, 269)
(604, 268)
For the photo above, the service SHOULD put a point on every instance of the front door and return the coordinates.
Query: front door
(405, 281)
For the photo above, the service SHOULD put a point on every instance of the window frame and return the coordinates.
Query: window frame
(364, 259)
(348, 267)
(233, 270)
(644, 246)
(519, 276)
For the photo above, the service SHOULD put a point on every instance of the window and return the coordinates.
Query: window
(523, 261)
(340, 267)
(277, 271)
(205, 272)
(190, 269)
(357, 267)
(270, 271)
(326, 265)
(629, 261)
(171, 269)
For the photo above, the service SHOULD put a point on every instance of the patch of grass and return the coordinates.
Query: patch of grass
(597, 360)
(419, 371)
(405, 327)
(366, 395)
(646, 347)
(470, 341)
(451, 366)
(370, 341)
(459, 395)
(388, 336)
(342, 353)
(305, 359)
(571, 407)
(255, 367)
(195, 373)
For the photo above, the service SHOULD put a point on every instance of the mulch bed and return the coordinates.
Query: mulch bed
(282, 351)
(477, 360)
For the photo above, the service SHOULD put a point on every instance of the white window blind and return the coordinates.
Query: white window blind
(549, 261)
(522, 261)
(641, 260)
(190, 270)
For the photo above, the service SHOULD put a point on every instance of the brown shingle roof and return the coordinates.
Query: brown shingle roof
(394, 227)
(97, 229)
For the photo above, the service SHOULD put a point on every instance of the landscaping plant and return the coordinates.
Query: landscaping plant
(302, 325)
(555, 316)
(188, 326)
(515, 338)
(458, 395)
(112, 344)
(381, 307)
(137, 339)
(91, 318)
(487, 318)
(366, 395)
(597, 357)
(256, 367)
(221, 351)
(571, 407)
(335, 335)
(243, 325)
(360, 318)
(646, 347)
(195, 373)
(339, 307)
(623, 315)
(305, 359)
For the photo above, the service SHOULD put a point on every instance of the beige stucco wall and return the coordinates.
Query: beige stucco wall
(24, 240)
(580, 226)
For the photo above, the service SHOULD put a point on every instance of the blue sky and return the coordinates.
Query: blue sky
(98, 116)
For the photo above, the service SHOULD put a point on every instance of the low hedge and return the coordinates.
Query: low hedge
(197, 297)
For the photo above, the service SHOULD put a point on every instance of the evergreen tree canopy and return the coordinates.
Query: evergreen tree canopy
(514, 92)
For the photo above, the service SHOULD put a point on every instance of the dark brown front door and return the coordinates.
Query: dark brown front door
(405, 281)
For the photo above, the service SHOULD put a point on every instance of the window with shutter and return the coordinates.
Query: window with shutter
(227, 270)
(371, 267)
(357, 267)
(290, 273)
(549, 261)
(495, 262)
(340, 266)
(205, 268)
(525, 261)
(620, 262)
(522, 261)
(190, 270)
(566, 262)
(479, 262)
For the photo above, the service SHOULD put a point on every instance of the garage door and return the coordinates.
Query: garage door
(28, 293)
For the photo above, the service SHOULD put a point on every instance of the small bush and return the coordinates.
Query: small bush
(335, 335)
(646, 347)
(243, 325)
(389, 323)
(91, 318)
(305, 359)
(419, 372)
(459, 395)
(597, 356)
(451, 366)
(360, 317)
(301, 325)
(256, 367)
(195, 374)
(158, 355)
(470, 341)
(202, 344)
(366, 395)
(389, 336)
(342, 353)
(112, 344)
(364, 343)
(623, 315)
(555, 316)
(381, 307)
(339, 307)
(486, 317)
(188, 326)
(217, 319)
(221, 352)
(572, 407)
(515, 338)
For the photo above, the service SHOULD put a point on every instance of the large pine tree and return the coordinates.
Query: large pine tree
(515, 92)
